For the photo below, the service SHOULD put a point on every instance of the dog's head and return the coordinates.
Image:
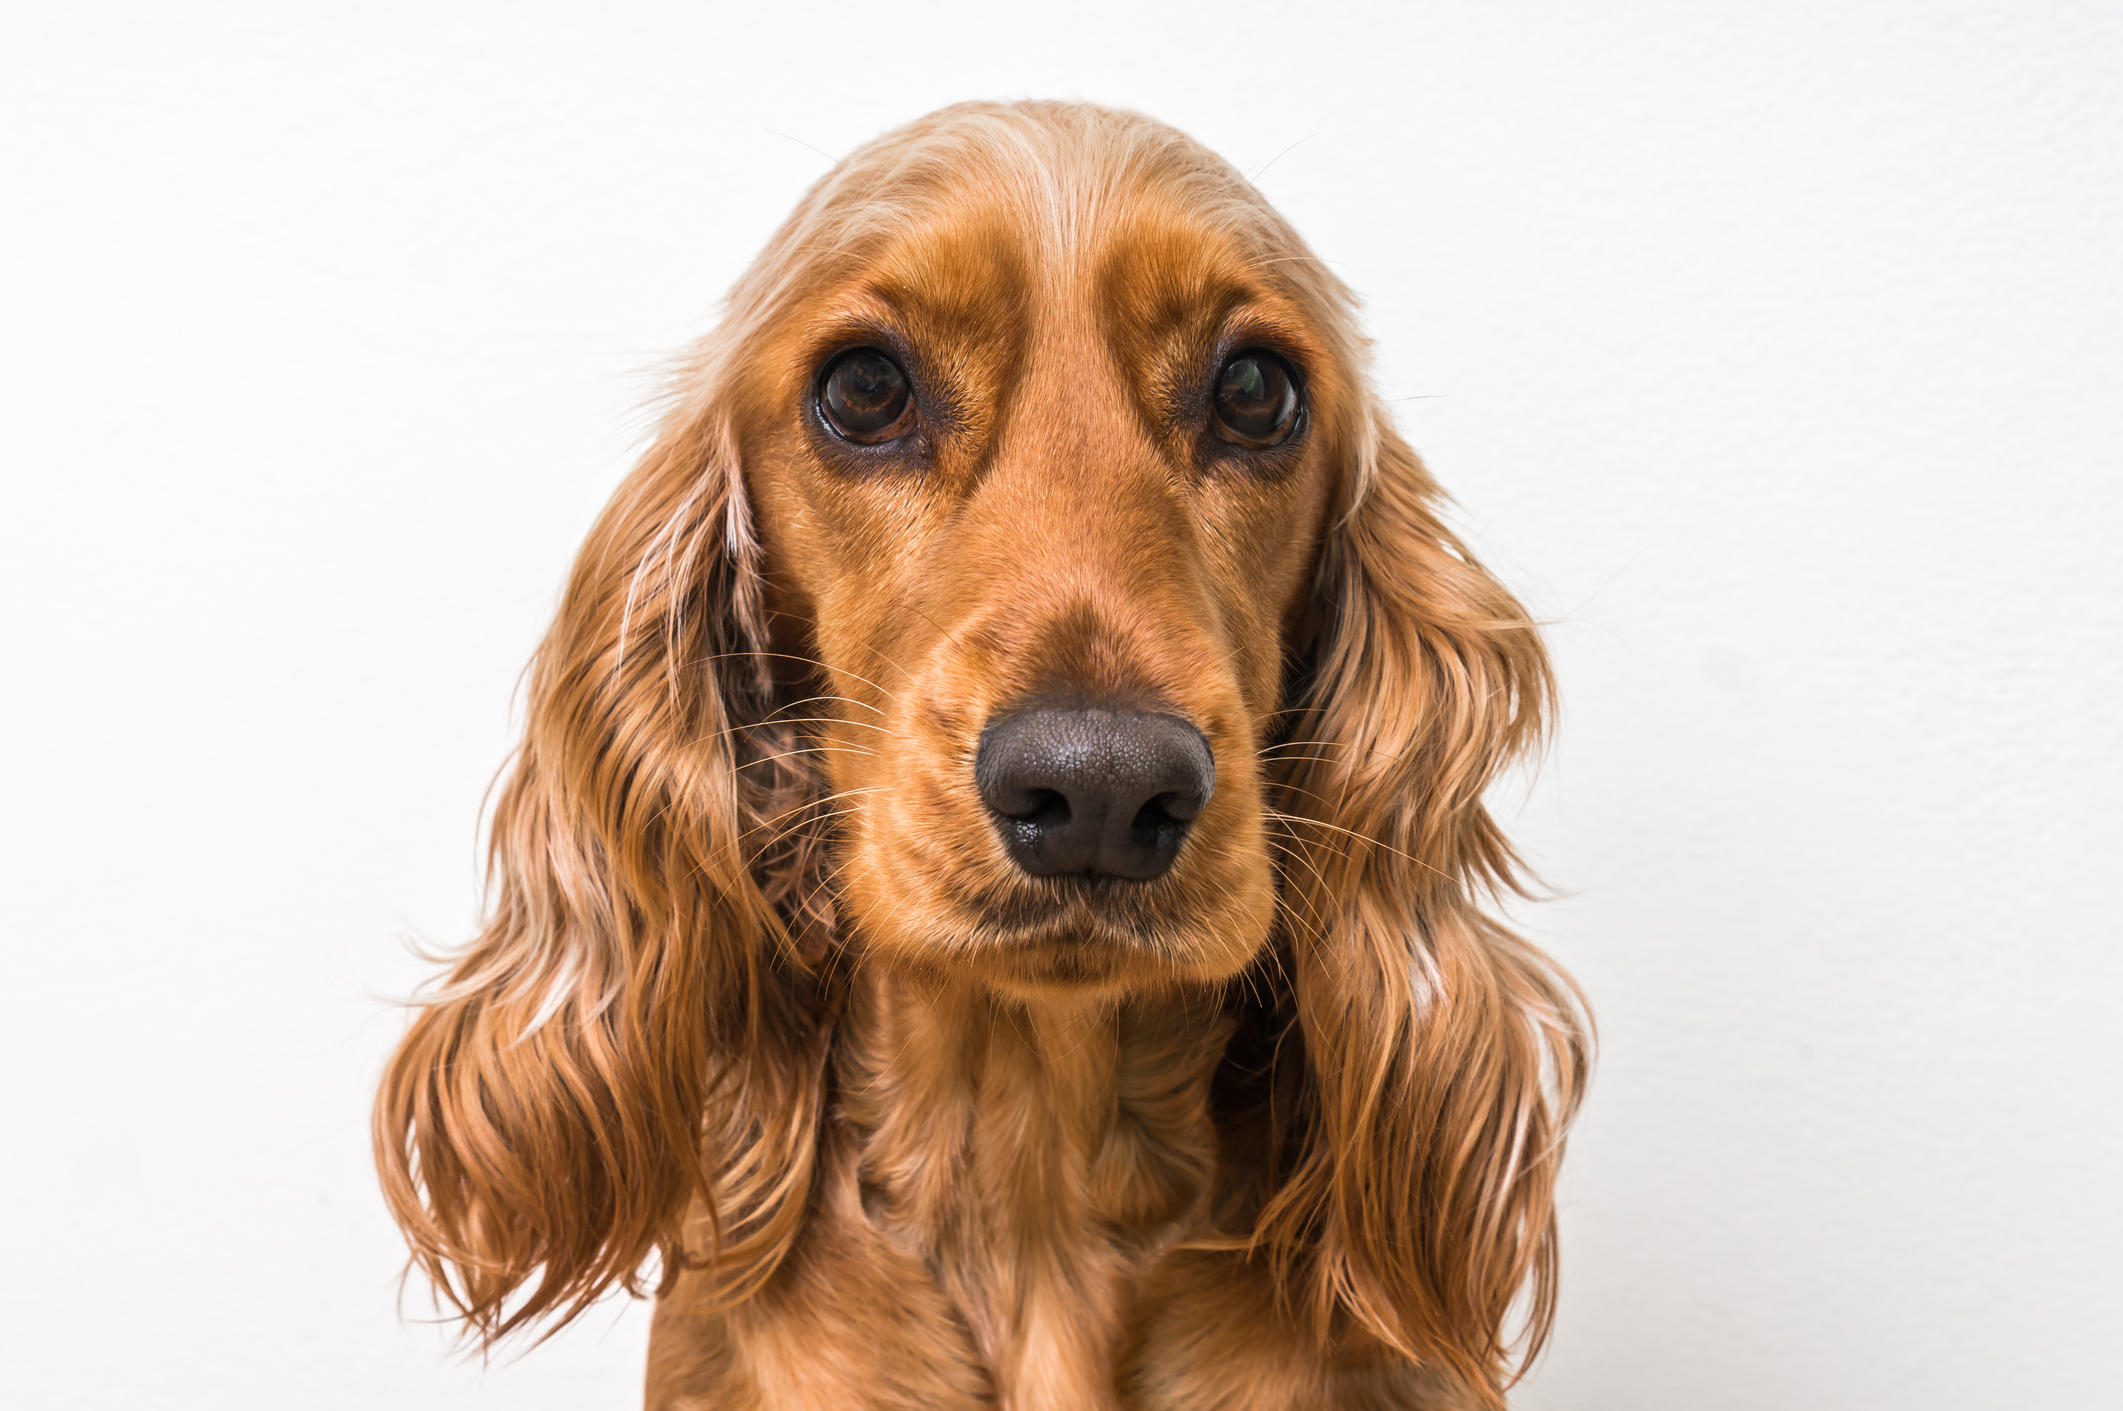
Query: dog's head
(1039, 439)
(1025, 583)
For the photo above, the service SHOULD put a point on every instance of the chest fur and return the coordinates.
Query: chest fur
(1037, 1160)
(1008, 1212)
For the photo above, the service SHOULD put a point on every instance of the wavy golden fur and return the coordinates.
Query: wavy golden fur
(764, 1002)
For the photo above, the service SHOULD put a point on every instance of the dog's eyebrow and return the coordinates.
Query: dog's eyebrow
(956, 276)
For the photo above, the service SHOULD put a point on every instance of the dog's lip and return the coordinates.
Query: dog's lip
(1040, 898)
(1090, 910)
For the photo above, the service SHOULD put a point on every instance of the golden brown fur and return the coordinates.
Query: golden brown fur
(763, 996)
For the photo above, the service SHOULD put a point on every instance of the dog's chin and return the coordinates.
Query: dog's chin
(1060, 963)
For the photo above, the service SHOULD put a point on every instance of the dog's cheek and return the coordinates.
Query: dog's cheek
(1242, 915)
(903, 845)
(877, 910)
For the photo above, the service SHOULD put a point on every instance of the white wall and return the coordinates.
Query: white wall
(1773, 351)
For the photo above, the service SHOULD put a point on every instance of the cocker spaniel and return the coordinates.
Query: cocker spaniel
(988, 902)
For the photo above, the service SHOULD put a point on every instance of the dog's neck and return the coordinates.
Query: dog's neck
(1035, 1153)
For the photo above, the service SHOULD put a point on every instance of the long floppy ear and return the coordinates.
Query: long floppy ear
(1444, 1055)
(633, 1028)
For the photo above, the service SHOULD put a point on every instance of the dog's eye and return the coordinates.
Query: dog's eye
(864, 395)
(1256, 399)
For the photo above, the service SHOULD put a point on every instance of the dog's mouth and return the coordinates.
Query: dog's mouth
(1083, 920)
(1084, 906)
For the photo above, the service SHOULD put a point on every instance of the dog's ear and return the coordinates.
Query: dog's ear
(632, 1029)
(1444, 1056)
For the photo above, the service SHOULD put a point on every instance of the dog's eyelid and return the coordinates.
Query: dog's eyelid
(1250, 323)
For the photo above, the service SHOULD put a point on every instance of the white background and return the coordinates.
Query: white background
(1774, 352)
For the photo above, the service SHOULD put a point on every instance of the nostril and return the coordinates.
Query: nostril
(1180, 805)
(1162, 812)
(1045, 807)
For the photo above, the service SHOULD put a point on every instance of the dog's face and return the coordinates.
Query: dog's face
(1044, 499)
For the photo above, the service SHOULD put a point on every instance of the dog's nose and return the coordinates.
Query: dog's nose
(1093, 791)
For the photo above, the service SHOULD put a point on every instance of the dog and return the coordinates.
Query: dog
(989, 904)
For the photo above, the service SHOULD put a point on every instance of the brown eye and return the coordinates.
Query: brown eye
(1256, 399)
(864, 396)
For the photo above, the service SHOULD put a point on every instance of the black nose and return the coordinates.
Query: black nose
(1094, 791)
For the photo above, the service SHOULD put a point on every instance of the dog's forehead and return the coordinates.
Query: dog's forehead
(986, 263)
